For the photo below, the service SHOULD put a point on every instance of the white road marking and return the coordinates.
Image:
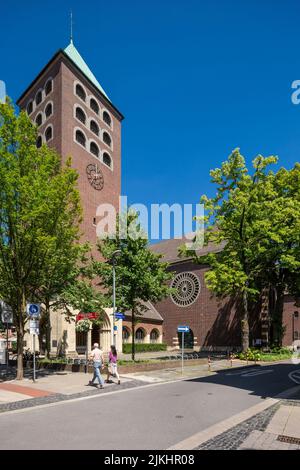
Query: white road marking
(295, 376)
(240, 372)
(257, 372)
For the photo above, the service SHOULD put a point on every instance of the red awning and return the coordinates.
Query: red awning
(89, 316)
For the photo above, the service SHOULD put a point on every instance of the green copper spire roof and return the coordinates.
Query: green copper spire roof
(74, 55)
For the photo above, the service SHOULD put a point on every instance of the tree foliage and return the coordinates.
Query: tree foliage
(141, 276)
(254, 220)
(39, 218)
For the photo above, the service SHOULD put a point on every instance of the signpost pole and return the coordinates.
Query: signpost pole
(182, 347)
(7, 353)
(86, 353)
(34, 357)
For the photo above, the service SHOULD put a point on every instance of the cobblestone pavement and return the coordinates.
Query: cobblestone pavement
(252, 429)
(31, 402)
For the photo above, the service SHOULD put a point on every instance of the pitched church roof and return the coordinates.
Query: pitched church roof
(169, 249)
(74, 55)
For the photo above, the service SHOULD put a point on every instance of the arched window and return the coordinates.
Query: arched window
(29, 108)
(39, 119)
(106, 159)
(48, 87)
(48, 110)
(94, 106)
(139, 335)
(106, 118)
(48, 133)
(94, 149)
(80, 115)
(125, 334)
(94, 127)
(107, 139)
(38, 98)
(154, 335)
(80, 138)
(39, 141)
(80, 92)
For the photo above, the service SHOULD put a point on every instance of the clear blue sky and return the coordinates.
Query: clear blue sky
(193, 78)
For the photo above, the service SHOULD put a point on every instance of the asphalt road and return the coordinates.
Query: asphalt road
(152, 417)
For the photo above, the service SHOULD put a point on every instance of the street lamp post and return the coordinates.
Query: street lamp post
(113, 335)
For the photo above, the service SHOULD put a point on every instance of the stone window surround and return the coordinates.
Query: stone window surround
(87, 104)
(87, 146)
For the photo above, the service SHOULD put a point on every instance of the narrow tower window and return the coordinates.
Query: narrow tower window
(39, 119)
(94, 106)
(48, 110)
(80, 92)
(80, 138)
(48, 87)
(107, 139)
(29, 107)
(38, 98)
(107, 159)
(48, 133)
(80, 115)
(94, 149)
(107, 118)
(94, 127)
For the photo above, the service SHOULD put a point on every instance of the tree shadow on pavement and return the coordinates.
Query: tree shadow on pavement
(266, 381)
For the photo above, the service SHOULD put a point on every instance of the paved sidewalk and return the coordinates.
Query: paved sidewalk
(282, 432)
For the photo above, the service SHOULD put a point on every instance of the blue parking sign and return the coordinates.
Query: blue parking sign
(33, 310)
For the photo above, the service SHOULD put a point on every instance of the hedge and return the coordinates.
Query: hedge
(141, 347)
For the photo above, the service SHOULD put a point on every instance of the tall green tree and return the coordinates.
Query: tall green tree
(235, 221)
(141, 276)
(39, 205)
(68, 281)
(281, 255)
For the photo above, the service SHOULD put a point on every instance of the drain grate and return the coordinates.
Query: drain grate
(288, 439)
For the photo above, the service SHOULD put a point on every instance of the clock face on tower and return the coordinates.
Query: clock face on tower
(95, 176)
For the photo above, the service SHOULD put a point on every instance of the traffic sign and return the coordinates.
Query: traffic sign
(115, 328)
(183, 329)
(33, 310)
(120, 315)
(6, 312)
(34, 327)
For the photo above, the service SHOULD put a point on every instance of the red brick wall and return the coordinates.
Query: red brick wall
(213, 322)
(289, 309)
(64, 74)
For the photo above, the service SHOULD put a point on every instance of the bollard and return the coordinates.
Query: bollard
(208, 361)
(231, 360)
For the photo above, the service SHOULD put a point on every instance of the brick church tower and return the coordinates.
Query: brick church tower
(75, 116)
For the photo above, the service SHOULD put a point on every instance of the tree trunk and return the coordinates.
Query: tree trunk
(48, 328)
(278, 330)
(245, 323)
(20, 338)
(133, 335)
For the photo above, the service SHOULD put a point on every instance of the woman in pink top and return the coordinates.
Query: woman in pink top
(112, 368)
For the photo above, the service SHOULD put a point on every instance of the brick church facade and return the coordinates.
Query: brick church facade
(75, 116)
(214, 324)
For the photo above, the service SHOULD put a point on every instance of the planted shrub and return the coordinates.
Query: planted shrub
(141, 347)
